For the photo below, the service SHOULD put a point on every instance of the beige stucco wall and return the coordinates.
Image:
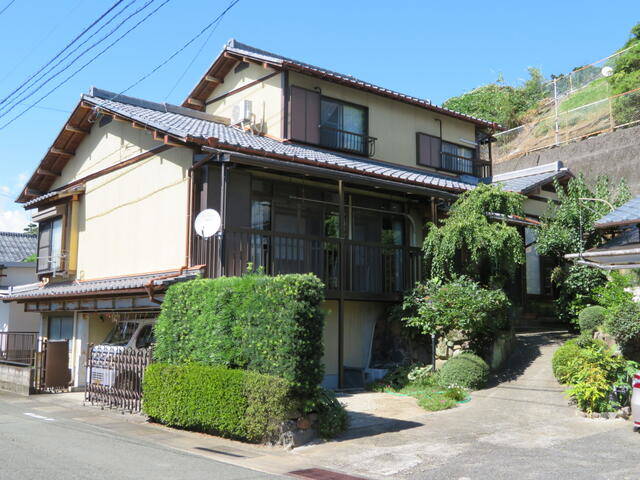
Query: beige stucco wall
(132, 220)
(393, 123)
(359, 323)
(538, 207)
(266, 97)
(12, 315)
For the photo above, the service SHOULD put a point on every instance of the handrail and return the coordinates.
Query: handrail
(343, 143)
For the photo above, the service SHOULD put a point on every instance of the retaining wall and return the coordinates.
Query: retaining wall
(15, 378)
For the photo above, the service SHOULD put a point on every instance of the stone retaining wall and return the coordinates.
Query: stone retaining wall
(15, 378)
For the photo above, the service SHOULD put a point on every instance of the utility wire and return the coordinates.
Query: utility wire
(75, 39)
(174, 54)
(7, 6)
(86, 64)
(204, 44)
(26, 95)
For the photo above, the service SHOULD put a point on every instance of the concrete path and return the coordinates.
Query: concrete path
(523, 427)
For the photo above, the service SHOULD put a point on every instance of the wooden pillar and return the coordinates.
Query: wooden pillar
(343, 276)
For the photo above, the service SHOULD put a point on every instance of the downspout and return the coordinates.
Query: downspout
(150, 287)
(342, 286)
(72, 267)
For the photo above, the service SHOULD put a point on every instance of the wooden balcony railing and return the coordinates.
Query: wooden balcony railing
(370, 268)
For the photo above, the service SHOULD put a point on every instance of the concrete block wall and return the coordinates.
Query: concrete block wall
(15, 378)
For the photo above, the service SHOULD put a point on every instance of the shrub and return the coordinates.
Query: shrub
(271, 325)
(591, 318)
(231, 403)
(461, 304)
(436, 402)
(332, 416)
(465, 370)
(623, 324)
(562, 357)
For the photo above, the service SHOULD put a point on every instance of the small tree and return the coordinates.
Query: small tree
(568, 226)
(483, 242)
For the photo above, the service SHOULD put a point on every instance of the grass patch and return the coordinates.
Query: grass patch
(431, 396)
(596, 90)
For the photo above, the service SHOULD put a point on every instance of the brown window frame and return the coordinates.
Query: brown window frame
(50, 269)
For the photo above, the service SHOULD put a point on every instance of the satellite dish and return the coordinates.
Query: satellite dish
(606, 71)
(207, 223)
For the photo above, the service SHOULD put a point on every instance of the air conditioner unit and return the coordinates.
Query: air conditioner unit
(241, 112)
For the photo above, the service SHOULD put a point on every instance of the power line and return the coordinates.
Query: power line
(7, 6)
(25, 96)
(75, 39)
(174, 54)
(86, 64)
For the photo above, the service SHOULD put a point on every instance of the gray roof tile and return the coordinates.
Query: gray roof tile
(179, 122)
(623, 215)
(15, 247)
(523, 181)
(105, 285)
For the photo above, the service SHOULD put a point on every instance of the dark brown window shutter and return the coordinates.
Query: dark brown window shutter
(429, 148)
(304, 115)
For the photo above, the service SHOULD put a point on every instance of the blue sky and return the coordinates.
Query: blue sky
(428, 49)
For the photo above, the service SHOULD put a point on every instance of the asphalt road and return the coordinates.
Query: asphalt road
(41, 446)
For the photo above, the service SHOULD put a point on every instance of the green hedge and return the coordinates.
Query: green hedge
(591, 318)
(464, 370)
(562, 358)
(231, 403)
(271, 325)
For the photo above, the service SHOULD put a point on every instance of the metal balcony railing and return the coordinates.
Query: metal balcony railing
(337, 139)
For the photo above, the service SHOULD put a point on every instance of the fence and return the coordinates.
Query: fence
(574, 106)
(18, 347)
(114, 376)
(568, 124)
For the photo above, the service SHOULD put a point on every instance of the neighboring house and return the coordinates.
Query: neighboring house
(311, 171)
(14, 249)
(622, 251)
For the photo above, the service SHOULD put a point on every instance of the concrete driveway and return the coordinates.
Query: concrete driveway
(522, 427)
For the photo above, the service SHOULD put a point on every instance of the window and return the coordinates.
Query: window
(343, 126)
(60, 328)
(435, 153)
(121, 333)
(50, 245)
(145, 337)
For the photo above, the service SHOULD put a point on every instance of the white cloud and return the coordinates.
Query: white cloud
(14, 220)
(5, 189)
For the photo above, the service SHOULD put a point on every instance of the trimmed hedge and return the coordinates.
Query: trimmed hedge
(271, 325)
(465, 370)
(231, 403)
(591, 318)
(562, 359)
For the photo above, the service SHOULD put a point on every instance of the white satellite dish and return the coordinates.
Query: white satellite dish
(207, 223)
(606, 71)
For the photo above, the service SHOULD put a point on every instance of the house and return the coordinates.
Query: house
(15, 249)
(622, 250)
(310, 170)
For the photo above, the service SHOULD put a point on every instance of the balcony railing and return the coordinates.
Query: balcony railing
(470, 166)
(370, 268)
(347, 141)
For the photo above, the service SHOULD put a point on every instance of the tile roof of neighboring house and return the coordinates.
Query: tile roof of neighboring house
(100, 286)
(242, 50)
(626, 214)
(525, 180)
(186, 124)
(15, 247)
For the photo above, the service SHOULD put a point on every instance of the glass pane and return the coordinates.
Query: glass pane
(60, 328)
(261, 215)
(121, 333)
(353, 119)
(56, 244)
(330, 114)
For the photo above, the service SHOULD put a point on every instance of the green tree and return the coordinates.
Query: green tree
(32, 228)
(626, 77)
(488, 246)
(568, 226)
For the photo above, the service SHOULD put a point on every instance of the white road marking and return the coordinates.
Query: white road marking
(40, 417)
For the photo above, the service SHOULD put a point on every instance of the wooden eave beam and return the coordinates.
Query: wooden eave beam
(174, 142)
(48, 173)
(196, 102)
(30, 192)
(71, 128)
(62, 153)
(212, 79)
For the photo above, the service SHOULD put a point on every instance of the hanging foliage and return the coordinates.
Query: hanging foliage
(468, 241)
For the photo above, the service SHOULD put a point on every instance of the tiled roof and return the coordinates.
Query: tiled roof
(626, 214)
(243, 50)
(15, 247)
(525, 180)
(186, 124)
(105, 285)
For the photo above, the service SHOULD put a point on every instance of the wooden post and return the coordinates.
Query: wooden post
(341, 234)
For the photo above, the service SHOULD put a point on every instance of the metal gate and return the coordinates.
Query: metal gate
(114, 376)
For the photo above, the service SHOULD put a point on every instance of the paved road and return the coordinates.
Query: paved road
(522, 427)
(46, 445)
